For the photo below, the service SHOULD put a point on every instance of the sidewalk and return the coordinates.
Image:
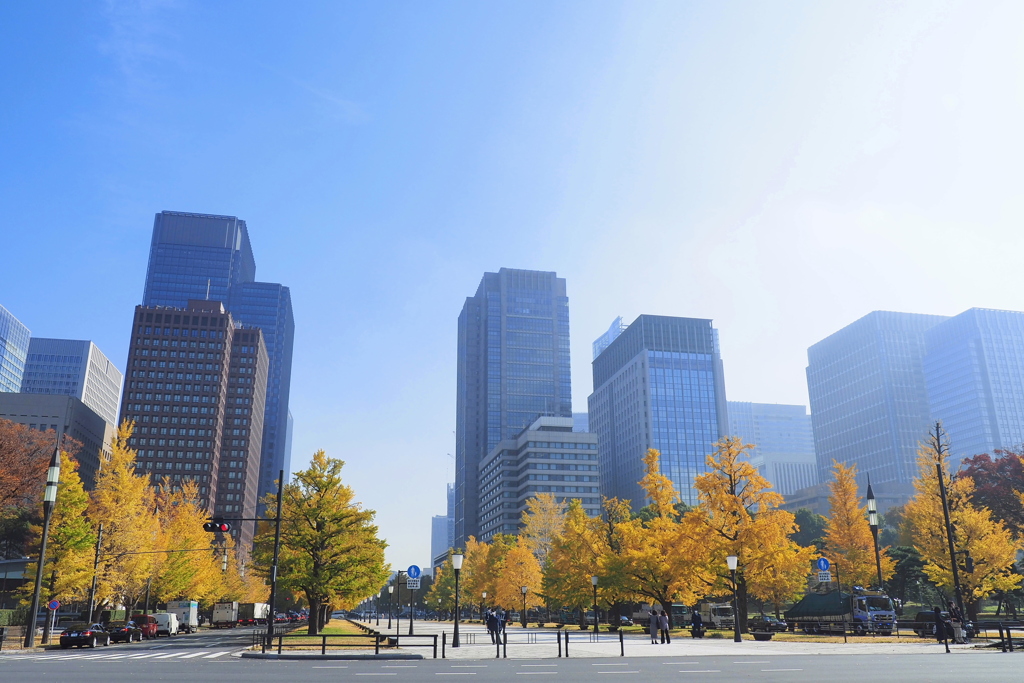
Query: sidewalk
(475, 644)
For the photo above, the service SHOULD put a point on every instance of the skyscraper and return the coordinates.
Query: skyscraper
(659, 384)
(72, 367)
(783, 442)
(869, 403)
(196, 389)
(14, 339)
(513, 366)
(201, 256)
(974, 371)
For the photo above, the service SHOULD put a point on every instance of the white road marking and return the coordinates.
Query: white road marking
(455, 673)
(756, 661)
(618, 672)
(216, 654)
(609, 665)
(143, 656)
(330, 667)
(536, 673)
(377, 674)
(169, 654)
(702, 671)
(781, 669)
(194, 654)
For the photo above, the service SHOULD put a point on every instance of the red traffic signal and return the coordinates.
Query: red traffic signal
(216, 525)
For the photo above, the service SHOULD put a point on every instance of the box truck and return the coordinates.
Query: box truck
(253, 613)
(187, 612)
(225, 615)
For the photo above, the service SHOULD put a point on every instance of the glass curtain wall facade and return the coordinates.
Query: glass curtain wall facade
(14, 340)
(869, 402)
(200, 256)
(513, 366)
(783, 442)
(72, 367)
(268, 306)
(660, 384)
(974, 369)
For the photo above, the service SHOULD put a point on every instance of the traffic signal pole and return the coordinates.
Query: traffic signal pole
(273, 570)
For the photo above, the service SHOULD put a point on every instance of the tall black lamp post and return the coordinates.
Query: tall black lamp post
(873, 523)
(732, 561)
(391, 590)
(457, 566)
(525, 589)
(377, 608)
(49, 499)
(593, 581)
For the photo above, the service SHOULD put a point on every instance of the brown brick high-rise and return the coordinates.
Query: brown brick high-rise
(195, 388)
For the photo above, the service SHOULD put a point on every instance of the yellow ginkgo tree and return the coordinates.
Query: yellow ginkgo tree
(848, 541)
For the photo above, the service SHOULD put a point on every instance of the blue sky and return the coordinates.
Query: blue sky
(782, 168)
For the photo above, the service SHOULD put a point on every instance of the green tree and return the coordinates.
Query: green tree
(441, 596)
(329, 545)
(810, 529)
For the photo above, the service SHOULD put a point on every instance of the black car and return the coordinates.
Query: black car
(124, 632)
(83, 634)
(766, 623)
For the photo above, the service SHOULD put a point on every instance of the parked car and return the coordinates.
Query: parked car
(147, 624)
(82, 634)
(166, 623)
(124, 632)
(625, 621)
(766, 623)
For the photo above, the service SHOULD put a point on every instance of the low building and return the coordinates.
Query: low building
(546, 457)
(783, 441)
(68, 414)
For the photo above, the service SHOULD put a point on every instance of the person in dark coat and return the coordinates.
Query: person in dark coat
(666, 637)
(956, 618)
(655, 625)
(940, 628)
(492, 625)
(698, 624)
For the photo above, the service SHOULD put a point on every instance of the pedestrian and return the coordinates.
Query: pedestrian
(663, 624)
(940, 628)
(698, 624)
(655, 625)
(492, 625)
(956, 618)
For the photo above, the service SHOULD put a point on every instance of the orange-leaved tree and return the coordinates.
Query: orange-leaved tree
(848, 541)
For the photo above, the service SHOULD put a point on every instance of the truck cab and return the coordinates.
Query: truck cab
(873, 612)
(717, 615)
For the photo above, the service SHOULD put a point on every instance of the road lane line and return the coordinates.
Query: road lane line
(609, 665)
(781, 669)
(168, 655)
(143, 656)
(618, 672)
(216, 654)
(702, 671)
(194, 654)
(455, 673)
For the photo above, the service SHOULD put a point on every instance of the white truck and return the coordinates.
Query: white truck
(716, 614)
(225, 615)
(187, 612)
(166, 624)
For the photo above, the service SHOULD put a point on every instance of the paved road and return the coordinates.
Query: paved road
(225, 668)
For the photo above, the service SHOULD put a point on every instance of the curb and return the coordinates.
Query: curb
(318, 657)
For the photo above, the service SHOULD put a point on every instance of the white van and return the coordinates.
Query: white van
(166, 624)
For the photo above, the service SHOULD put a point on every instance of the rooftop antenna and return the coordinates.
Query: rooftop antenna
(207, 289)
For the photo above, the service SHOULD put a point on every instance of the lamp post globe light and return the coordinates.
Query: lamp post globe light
(873, 523)
(732, 562)
(457, 566)
(525, 589)
(483, 603)
(593, 580)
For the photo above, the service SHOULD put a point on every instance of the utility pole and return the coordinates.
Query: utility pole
(273, 568)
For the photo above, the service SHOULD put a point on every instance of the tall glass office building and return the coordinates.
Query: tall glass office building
(783, 442)
(974, 370)
(869, 403)
(202, 256)
(14, 339)
(513, 366)
(659, 384)
(73, 367)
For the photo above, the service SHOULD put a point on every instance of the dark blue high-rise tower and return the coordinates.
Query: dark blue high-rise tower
(201, 256)
(513, 366)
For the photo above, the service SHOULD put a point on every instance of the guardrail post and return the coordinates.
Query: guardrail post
(1009, 638)
(504, 643)
(444, 642)
(376, 644)
(559, 633)
(435, 647)
(566, 643)
(622, 644)
(280, 639)
(497, 645)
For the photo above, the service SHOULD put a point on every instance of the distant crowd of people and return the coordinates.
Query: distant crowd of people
(496, 621)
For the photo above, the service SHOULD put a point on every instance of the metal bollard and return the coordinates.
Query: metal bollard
(1009, 638)
(444, 641)
(566, 643)
(622, 644)
(497, 645)
(504, 645)
(559, 634)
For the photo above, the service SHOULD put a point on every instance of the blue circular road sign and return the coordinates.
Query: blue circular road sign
(414, 572)
(823, 564)
(53, 604)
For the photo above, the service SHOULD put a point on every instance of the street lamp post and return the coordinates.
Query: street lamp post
(873, 523)
(376, 600)
(391, 589)
(483, 603)
(49, 499)
(457, 566)
(524, 589)
(732, 561)
(593, 580)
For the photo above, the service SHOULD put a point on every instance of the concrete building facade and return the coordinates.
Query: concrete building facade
(546, 457)
(659, 384)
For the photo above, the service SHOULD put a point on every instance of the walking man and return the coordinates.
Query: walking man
(492, 625)
(940, 628)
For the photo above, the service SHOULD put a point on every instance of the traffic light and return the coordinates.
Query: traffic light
(970, 565)
(217, 525)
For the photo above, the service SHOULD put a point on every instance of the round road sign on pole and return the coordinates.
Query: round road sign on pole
(53, 604)
(414, 572)
(822, 564)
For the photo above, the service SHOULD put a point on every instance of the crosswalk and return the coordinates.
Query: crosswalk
(88, 656)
